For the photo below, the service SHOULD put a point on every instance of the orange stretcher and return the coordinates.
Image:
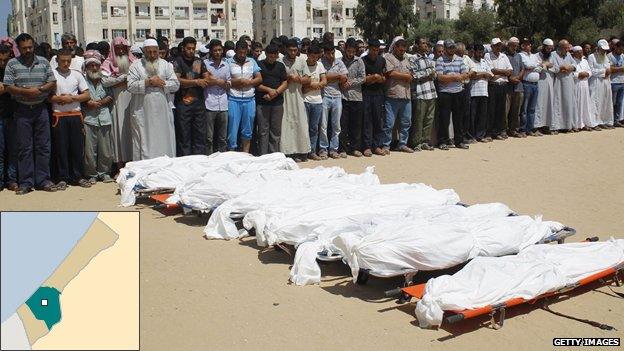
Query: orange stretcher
(417, 291)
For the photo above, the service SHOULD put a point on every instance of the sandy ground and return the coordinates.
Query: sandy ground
(198, 294)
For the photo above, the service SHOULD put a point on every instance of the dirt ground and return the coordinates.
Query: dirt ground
(215, 295)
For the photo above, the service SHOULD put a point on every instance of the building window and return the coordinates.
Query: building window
(317, 13)
(350, 12)
(104, 34)
(162, 33)
(201, 34)
(104, 10)
(218, 33)
(181, 12)
(200, 12)
(54, 17)
(338, 32)
(448, 14)
(217, 16)
(162, 11)
(234, 34)
(274, 13)
(142, 33)
(142, 10)
(317, 32)
(118, 11)
(179, 33)
(234, 12)
(120, 33)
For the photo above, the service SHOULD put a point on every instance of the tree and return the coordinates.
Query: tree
(384, 19)
(584, 29)
(476, 25)
(439, 29)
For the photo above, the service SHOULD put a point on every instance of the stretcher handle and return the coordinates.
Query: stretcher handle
(393, 293)
(593, 239)
(160, 206)
(454, 318)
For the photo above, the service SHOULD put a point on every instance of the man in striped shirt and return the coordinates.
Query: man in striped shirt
(451, 72)
(29, 79)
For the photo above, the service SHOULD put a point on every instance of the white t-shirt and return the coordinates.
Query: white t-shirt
(498, 62)
(70, 83)
(314, 96)
(76, 63)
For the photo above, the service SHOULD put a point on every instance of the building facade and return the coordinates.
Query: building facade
(134, 20)
(39, 18)
(446, 9)
(304, 18)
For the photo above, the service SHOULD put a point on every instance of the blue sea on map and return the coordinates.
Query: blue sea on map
(33, 244)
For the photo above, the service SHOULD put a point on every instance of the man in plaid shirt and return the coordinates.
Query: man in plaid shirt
(423, 96)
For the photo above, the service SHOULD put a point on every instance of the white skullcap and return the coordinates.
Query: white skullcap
(203, 49)
(496, 41)
(548, 41)
(440, 42)
(514, 40)
(577, 48)
(230, 53)
(150, 42)
(602, 43)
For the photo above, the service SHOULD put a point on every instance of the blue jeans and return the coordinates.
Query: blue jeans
(402, 109)
(241, 114)
(315, 113)
(528, 106)
(332, 110)
(8, 157)
(617, 89)
(32, 129)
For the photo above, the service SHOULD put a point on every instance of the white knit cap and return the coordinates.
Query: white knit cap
(548, 41)
(577, 48)
(150, 42)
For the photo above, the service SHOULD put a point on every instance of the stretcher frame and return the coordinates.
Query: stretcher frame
(455, 316)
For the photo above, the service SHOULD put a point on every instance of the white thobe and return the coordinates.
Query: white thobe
(564, 104)
(153, 133)
(545, 92)
(585, 109)
(600, 89)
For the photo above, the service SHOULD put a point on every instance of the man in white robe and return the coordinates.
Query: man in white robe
(544, 109)
(115, 69)
(585, 109)
(564, 105)
(600, 85)
(150, 80)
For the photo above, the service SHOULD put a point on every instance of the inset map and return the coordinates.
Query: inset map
(70, 280)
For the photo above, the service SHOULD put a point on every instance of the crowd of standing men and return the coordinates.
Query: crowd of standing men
(73, 117)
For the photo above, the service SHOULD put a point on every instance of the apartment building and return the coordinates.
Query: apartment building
(39, 18)
(446, 9)
(304, 18)
(134, 20)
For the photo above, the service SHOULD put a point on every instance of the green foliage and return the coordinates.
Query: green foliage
(584, 29)
(577, 20)
(476, 26)
(384, 19)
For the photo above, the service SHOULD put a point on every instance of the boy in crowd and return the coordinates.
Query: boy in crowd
(67, 128)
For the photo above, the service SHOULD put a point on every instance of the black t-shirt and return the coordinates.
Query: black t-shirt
(272, 76)
(376, 67)
(6, 103)
(189, 69)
